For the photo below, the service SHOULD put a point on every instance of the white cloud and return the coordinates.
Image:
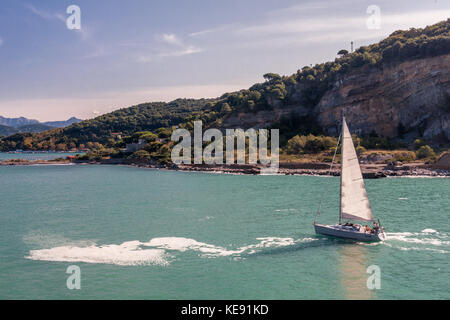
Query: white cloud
(173, 47)
(388, 21)
(171, 39)
(44, 14)
(310, 23)
(184, 51)
(1, 41)
(307, 7)
(212, 30)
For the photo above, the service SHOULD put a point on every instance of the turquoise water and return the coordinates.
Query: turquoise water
(148, 234)
(36, 155)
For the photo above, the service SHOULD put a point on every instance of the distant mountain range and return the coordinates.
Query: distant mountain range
(62, 124)
(10, 126)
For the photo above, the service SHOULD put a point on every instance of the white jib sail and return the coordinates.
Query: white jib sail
(354, 202)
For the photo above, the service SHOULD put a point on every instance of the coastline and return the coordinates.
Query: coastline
(369, 170)
(22, 162)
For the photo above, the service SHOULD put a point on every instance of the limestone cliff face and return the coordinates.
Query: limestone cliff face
(411, 98)
(264, 118)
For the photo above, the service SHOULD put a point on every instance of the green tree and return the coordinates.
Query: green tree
(296, 144)
(360, 150)
(419, 143)
(272, 77)
(425, 152)
(343, 52)
(226, 108)
(140, 155)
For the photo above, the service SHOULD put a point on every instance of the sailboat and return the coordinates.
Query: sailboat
(354, 204)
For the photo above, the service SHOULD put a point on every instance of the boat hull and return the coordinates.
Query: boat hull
(340, 231)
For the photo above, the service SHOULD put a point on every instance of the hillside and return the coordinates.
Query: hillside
(398, 89)
(36, 127)
(62, 124)
(7, 131)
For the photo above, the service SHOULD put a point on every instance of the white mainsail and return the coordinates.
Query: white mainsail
(354, 201)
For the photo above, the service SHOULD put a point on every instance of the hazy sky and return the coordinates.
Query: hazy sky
(128, 52)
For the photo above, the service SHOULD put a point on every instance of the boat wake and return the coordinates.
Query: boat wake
(426, 240)
(162, 251)
(157, 251)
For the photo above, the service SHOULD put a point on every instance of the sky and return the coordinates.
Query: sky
(135, 51)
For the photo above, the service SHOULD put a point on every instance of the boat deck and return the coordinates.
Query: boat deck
(355, 232)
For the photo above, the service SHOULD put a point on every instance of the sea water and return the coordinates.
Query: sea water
(154, 234)
(4, 156)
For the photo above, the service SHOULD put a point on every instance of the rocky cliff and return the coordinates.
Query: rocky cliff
(411, 97)
(407, 99)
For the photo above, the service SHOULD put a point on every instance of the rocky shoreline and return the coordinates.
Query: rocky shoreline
(370, 171)
(314, 169)
(24, 162)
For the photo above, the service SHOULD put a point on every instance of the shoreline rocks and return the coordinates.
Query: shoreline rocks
(369, 171)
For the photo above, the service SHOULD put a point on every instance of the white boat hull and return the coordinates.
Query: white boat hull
(353, 233)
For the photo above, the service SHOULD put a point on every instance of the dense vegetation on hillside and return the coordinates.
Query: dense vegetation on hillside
(306, 87)
(7, 130)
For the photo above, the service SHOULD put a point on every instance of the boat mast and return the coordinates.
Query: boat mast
(340, 189)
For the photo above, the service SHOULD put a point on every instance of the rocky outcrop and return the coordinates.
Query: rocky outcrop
(263, 118)
(412, 96)
(411, 99)
(443, 162)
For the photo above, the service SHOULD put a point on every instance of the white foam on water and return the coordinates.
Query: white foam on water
(126, 254)
(370, 244)
(267, 242)
(426, 240)
(431, 241)
(184, 244)
(402, 198)
(395, 234)
(429, 231)
(421, 249)
(206, 218)
(153, 252)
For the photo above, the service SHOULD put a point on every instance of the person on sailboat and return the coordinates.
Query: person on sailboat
(375, 227)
